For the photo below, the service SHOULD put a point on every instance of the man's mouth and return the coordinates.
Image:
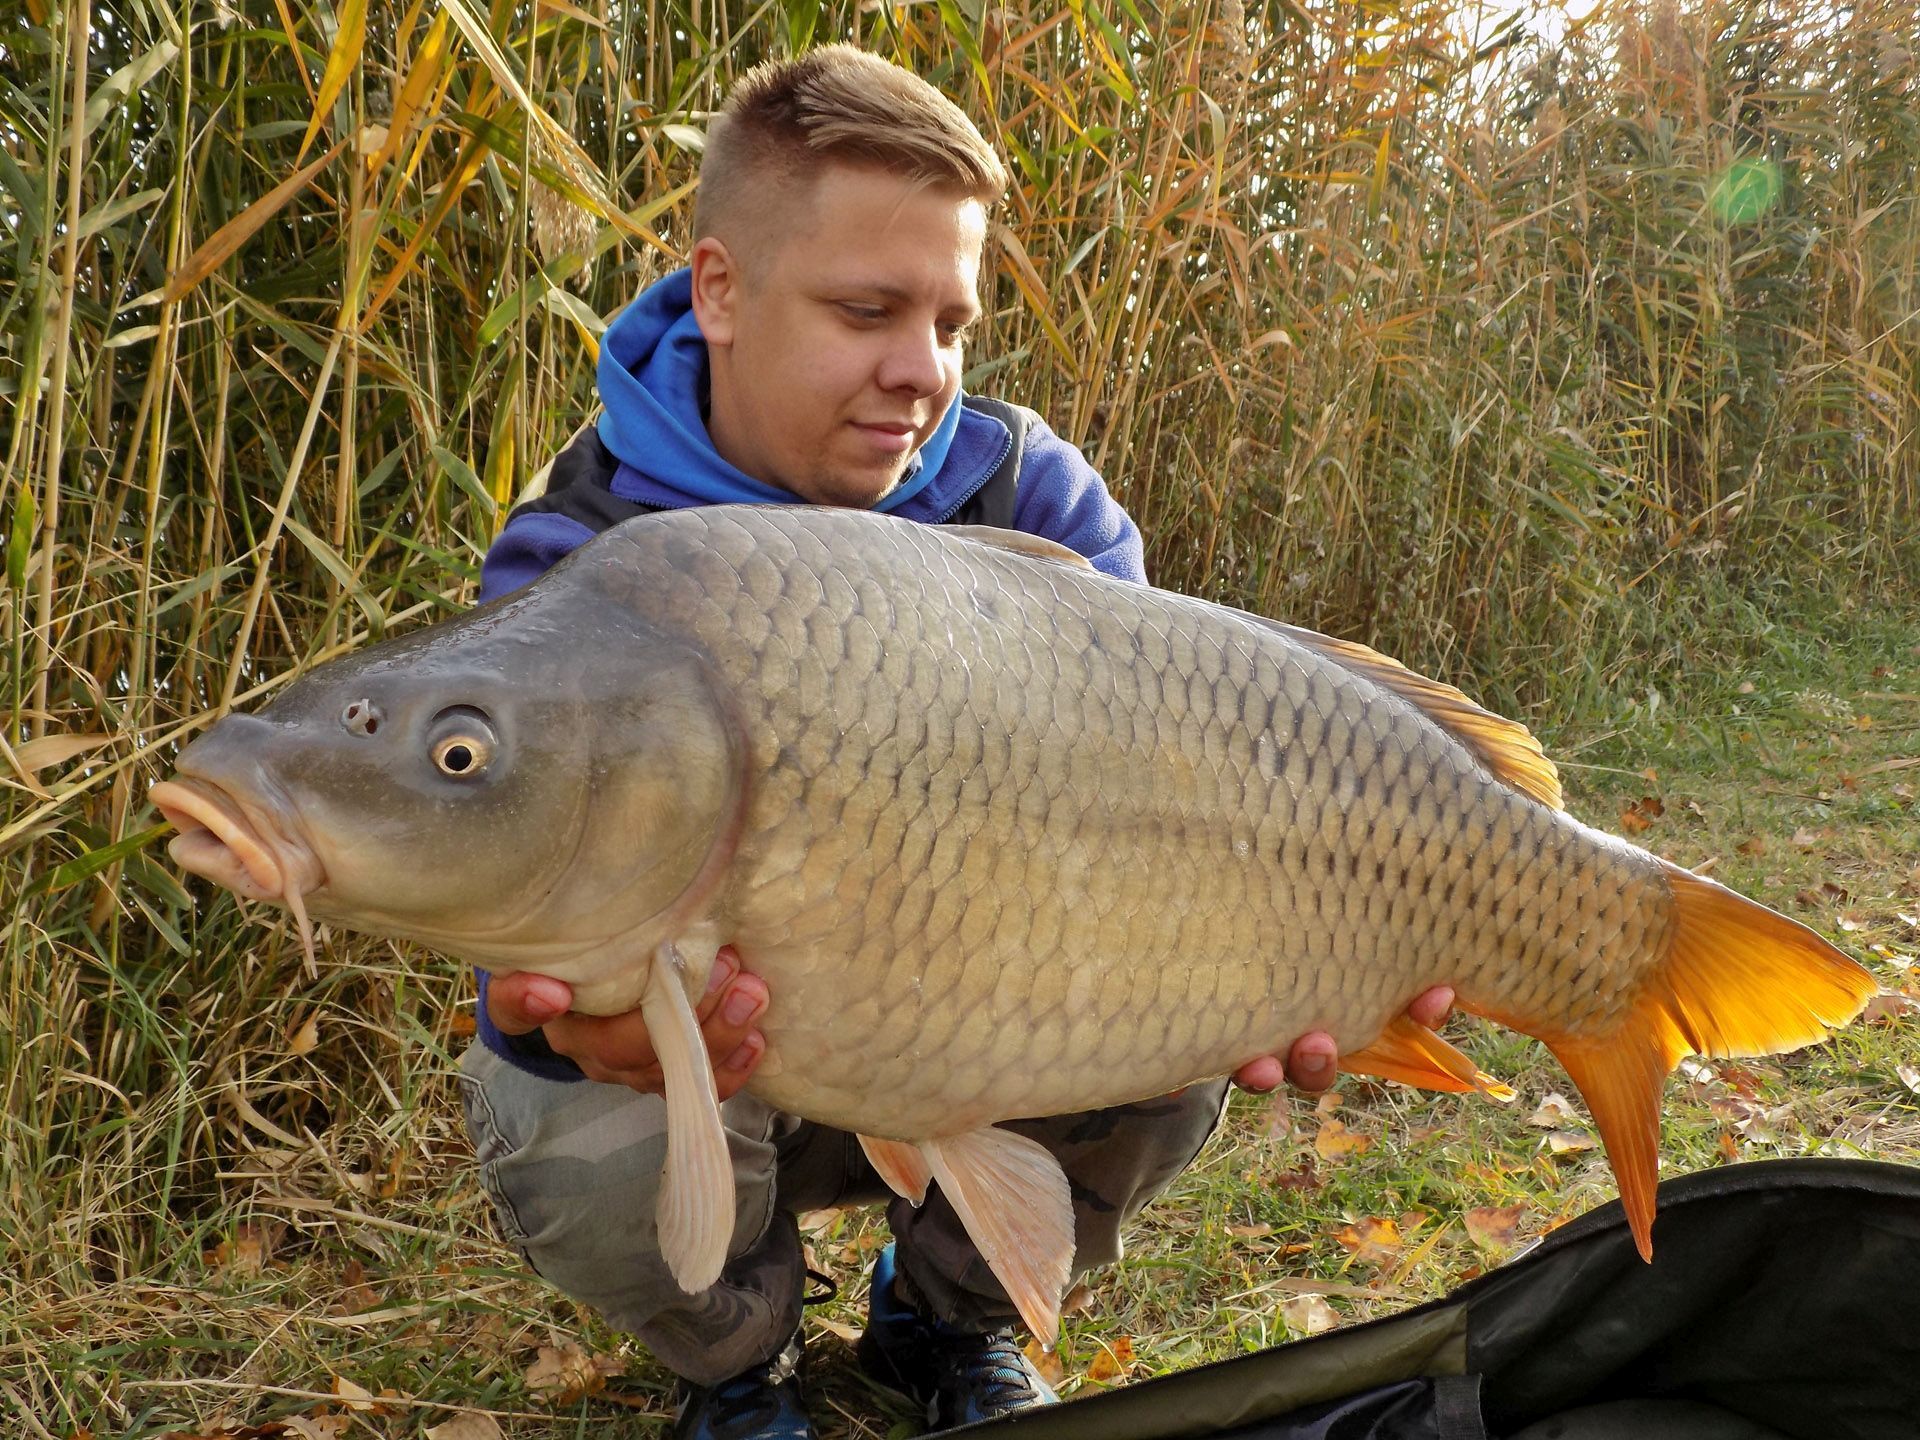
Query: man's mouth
(221, 841)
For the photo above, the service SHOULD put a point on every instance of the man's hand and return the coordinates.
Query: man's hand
(1314, 1058)
(616, 1049)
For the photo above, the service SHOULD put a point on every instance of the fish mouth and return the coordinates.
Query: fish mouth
(223, 840)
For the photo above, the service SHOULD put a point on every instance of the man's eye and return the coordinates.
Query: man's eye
(957, 334)
(865, 314)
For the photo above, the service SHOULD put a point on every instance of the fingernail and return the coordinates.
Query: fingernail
(546, 999)
(741, 1006)
(1315, 1067)
(721, 975)
(741, 1058)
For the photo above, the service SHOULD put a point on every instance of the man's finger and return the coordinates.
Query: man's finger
(1313, 1061)
(726, 965)
(732, 1020)
(523, 1002)
(733, 1072)
(1432, 1007)
(1261, 1075)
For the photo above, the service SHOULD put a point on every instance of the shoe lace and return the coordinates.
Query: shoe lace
(996, 1367)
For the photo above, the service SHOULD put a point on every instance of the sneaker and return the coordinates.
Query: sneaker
(960, 1376)
(762, 1403)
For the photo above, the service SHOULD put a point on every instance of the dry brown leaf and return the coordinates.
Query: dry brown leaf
(1309, 1315)
(1079, 1300)
(563, 1374)
(848, 1333)
(319, 1427)
(354, 1397)
(462, 1026)
(1250, 1232)
(1804, 839)
(1372, 1240)
(1909, 1076)
(305, 1037)
(1569, 1142)
(1336, 1142)
(1328, 1103)
(1113, 1362)
(1495, 1228)
(1554, 1111)
(467, 1426)
(1752, 845)
(1052, 1369)
(1641, 814)
(1889, 1005)
(56, 749)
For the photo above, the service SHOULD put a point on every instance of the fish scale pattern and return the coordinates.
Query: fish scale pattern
(1024, 840)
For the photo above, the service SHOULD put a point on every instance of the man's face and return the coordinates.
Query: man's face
(836, 340)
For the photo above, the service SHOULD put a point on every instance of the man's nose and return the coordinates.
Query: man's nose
(913, 363)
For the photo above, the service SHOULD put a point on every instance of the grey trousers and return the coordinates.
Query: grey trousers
(573, 1173)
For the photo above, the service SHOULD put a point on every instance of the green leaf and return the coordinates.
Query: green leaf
(20, 536)
(126, 81)
(72, 872)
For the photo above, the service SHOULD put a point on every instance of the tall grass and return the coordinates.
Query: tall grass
(1502, 361)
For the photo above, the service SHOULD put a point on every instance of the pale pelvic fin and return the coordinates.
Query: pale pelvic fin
(1013, 1198)
(901, 1165)
(695, 1213)
(1414, 1055)
(1035, 545)
(1737, 979)
(1505, 747)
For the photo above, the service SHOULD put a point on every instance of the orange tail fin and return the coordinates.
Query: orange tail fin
(1738, 979)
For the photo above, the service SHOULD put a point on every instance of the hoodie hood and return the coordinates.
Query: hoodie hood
(653, 380)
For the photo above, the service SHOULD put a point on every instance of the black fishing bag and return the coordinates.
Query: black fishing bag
(1783, 1303)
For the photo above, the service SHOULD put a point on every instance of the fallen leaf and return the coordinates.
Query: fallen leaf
(562, 1374)
(306, 1036)
(1729, 1147)
(1113, 1361)
(1804, 839)
(1641, 814)
(1555, 1110)
(1849, 923)
(1495, 1228)
(1569, 1142)
(355, 1293)
(1336, 1142)
(1048, 1362)
(461, 1025)
(1909, 1076)
(1889, 1005)
(1371, 1240)
(354, 1397)
(848, 1333)
(248, 1251)
(1250, 1232)
(1079, 1300)
(319, 1427)
(1309, 1315)
(1328, 1103)
(1745, 687)
(468, 1426)
(1752, 845)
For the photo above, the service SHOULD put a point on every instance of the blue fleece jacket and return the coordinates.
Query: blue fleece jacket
(653, 380)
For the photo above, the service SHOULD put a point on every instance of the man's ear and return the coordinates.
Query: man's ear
(716, 290)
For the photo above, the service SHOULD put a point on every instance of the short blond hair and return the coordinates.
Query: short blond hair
(785, 120)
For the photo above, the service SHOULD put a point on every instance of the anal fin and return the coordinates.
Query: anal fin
(1414, 1055)
(901, 1165)
(1013, 1197)
(695, 1212)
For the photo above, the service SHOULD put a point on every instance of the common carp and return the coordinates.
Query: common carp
(1005, 838)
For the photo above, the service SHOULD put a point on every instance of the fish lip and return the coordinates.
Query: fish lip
(224, 840)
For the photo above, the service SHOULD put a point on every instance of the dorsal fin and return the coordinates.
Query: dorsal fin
(1020, 543)
(1506, 747)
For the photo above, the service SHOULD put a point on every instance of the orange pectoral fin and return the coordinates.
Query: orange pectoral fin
(1737, 979)
(1415, 1055)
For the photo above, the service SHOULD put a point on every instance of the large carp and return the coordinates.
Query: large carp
(1005, 838)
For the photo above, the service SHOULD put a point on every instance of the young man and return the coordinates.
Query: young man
(810, 353)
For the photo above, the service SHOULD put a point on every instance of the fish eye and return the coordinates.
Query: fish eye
(462, 744)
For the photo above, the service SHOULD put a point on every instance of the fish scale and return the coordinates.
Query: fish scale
(1004, 837)
(1087, 744)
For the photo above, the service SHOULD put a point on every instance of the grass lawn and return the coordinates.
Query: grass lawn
(326, 1295)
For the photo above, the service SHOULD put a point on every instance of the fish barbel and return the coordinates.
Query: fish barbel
(1005, 838)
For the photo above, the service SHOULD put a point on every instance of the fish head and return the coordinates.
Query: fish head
(531, 781)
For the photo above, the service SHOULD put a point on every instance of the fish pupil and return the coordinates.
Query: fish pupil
(458, 758)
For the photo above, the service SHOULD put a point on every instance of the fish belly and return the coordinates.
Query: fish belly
(1024, 840)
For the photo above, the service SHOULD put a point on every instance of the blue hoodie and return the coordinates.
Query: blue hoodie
(653, 380)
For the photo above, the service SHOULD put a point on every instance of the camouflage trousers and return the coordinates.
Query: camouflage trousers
(573, 1172)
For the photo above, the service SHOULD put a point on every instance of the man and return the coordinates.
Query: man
(810, 353)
